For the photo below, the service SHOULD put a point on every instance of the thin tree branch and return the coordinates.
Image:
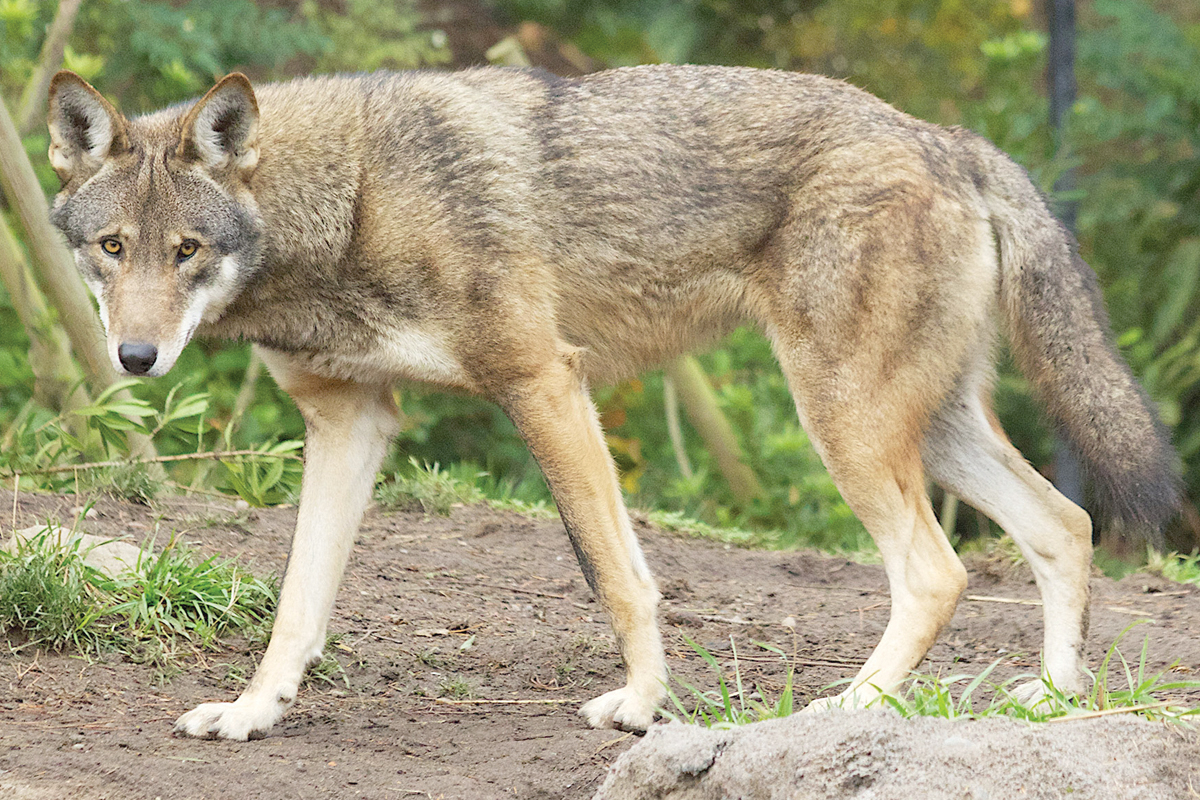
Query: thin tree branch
(33, 99)
(671, 403)
(157, 460)
(56, 375)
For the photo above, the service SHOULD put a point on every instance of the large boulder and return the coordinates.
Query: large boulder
(871, 755)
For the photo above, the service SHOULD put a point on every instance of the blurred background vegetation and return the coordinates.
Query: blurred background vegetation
(1133, 138)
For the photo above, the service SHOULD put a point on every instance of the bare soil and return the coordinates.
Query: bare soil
(443, 623)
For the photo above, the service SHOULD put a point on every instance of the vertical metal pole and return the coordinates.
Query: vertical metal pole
(1060, 77)
(1060, 74)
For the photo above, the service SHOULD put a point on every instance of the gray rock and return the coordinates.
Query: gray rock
(875, 755)
(109, 556)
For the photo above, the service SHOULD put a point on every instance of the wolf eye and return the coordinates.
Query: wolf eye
(188, 249)
(111, 246)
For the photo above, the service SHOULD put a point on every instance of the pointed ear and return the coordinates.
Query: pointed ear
(85, 129)
(221, 130)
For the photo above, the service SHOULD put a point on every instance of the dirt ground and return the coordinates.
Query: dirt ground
(443, 623)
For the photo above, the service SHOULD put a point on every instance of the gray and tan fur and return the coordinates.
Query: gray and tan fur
(522, 237)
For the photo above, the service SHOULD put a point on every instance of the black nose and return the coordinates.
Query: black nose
(137, 357)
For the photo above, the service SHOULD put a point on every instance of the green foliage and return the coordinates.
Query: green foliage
(21, 22)
(456, 687)
(38, 442)
(1140, 220)
(267, 479)
(427, 487)
(176, 594)
(728, 706)
(136, 483)
(628, 32)
(49, 594)
(367, 35)
(933, 696)
(157, 53)
(1176, 567)
(113, 417)
(42, 448)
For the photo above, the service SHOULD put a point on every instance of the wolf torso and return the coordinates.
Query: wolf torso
(403, 215)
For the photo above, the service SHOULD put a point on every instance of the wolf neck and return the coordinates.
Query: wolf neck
(306, 188)
(378, 205)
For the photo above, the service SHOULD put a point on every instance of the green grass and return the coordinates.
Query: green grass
(456, 687)
(1118, 686)
(427, 487)
(176, 593)
(175, 598)
(1176, 567)
(1141, 693)
(734, 703)
(48, 592)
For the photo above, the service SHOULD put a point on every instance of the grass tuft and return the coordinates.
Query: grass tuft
(48, 593)
(174, 593)
(456, 687)
(427, 487)
(137, 483)
(1176, 567)
(734, 703)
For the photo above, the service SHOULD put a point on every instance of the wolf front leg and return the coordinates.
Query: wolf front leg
(556, 417)
(348, 429)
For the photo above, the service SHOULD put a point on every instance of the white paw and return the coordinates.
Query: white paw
(238, 721)
(624, 709)
(825, 704)
(861, 697)
(1031, 693)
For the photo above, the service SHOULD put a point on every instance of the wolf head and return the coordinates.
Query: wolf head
(158, 211)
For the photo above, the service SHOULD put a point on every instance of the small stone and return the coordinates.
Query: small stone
(683, 619)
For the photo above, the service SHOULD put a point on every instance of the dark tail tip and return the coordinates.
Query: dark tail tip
(1139, 502)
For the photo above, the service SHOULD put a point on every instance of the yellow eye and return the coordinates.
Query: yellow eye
(188, 249)
(111, 246)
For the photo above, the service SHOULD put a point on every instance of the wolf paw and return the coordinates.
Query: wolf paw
(1030, 693)
(237, 721)
(826, 704)
(623, 709)
(861, 697)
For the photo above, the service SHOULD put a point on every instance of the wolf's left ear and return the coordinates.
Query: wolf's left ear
(85, 129)
(221, 130)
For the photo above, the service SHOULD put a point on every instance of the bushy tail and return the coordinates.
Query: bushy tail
(1060, 337)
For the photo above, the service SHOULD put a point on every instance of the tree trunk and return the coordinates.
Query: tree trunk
(57, 379)
(706, 417)
(55, 267)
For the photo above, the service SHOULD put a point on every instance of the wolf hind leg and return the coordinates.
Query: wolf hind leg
(869, 442)
(924, 573)
(967, 453)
